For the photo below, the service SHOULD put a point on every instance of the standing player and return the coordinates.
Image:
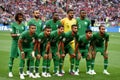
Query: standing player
(83, 23)
(25, 42)
(54, 22)
(68, 37)
(68, 22)
(17, 28)
(44, 49)
(83, 49)
(56, 37)
(100, 40)
(38, 23)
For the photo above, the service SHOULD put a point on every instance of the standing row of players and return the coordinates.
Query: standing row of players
(54, 41)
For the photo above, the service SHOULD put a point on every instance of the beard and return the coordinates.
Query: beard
(36, 17)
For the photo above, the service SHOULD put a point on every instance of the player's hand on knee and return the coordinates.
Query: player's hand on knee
(58, 54)
(50, 56)
(62, 55)
(33, 54)
(72, 55)
(106, 55)
(22, 55)
(93, 54)
(79, 56)
(45, 56)
(38, 56)
(89, 56)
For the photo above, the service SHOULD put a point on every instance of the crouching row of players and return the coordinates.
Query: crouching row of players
(55, 45)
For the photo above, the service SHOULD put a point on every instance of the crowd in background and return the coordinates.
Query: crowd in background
(99, 11)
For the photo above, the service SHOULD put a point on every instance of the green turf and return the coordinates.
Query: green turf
(114, 64)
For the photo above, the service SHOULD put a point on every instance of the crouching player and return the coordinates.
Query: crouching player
(56, 38)
(67, 48)
(44, 49)
(26, 51)
(100, 43)
(83, 49)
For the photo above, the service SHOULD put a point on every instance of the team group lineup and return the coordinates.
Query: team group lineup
(54, 40)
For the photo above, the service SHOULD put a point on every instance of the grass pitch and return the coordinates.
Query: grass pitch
(113, 68)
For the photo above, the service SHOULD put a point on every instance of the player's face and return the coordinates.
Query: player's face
(56, 17)
(47, 31)
(75, 29)
(36, 14)
(102, 30)
(71, 14)
(61, 30)
(89, 34)
(83, 14)
(32, 29)
(20, 18)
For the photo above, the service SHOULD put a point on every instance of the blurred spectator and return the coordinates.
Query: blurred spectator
(101, 11)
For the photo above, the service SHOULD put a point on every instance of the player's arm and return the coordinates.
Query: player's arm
(58, 51)
(20, 44)
(76, 47)
(38, 46)
(13, 33)
(62, 21)
(106, 43)
(48, 50)
(20, 41)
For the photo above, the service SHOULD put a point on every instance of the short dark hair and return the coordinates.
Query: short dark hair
(101, 26)
(31, 25)
(73, 25)
(69, 10)
(82, 10)
(35, 10)
(53, 13)
(60, 26)
(16, 16)
(88, 30)
(47, 27)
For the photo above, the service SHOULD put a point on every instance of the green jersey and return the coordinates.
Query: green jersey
(43, 39)
(98, 40)
(37, 23)
(68, 37)
(28, 40)
(83, 25)
(55, 37)
(52, 24)
(83, 42)
(17, 29)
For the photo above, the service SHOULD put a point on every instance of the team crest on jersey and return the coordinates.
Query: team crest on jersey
(64, 39)
(22, 27)
(33, 39)
(25, 40)
(39, 40)
(86, 23)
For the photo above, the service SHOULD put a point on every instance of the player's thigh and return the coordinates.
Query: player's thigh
(100, 49)
(69, 49)
(84, 53)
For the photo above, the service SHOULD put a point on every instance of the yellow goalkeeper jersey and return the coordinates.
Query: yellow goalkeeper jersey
(67, 23)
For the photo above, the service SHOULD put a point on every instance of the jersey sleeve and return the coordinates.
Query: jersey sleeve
(62, 21)
(12, 28)
(22, 36)
(107, 37)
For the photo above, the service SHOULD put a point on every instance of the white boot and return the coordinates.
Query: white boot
(37, 75)
(22, 76)
(106, 72)
(10, 74)
(31, 75)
